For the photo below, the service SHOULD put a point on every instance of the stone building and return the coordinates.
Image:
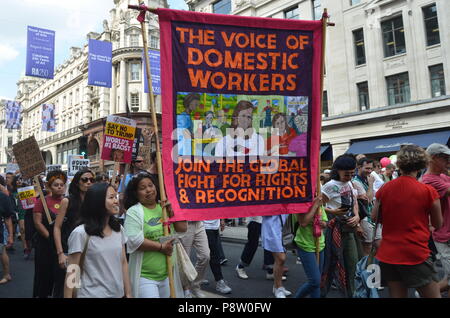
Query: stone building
(80, 108)
(387, 69)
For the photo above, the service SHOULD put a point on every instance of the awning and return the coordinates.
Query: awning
(393, 143)
(326, 153)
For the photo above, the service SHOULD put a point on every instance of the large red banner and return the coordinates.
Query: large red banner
(241, 114)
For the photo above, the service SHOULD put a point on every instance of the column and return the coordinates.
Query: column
(113, 92)
(123, 87)
(144, 105)
(85, 105)
(104, 101)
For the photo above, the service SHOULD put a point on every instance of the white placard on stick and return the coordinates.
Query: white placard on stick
(77, 163)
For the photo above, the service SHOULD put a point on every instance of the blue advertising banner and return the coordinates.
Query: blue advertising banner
(100, 63)
(48, 118)
(13, 114)
(155, 71)
(40, 53)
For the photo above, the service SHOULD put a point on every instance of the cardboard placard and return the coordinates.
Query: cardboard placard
(29, 157)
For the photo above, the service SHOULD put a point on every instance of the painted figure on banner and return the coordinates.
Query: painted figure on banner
(244, 141)
(184, 124)
(283, 136)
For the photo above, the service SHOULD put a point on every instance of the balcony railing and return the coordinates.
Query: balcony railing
(64, 134)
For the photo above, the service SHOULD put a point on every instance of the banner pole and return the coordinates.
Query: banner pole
(162, 191)
(41, 195)
(322, 72)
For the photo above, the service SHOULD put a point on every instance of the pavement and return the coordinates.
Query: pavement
(235, 234)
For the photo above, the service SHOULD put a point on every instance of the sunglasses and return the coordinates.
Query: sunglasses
(138, 161)
(88, 179)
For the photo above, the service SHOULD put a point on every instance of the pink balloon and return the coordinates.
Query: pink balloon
(385, 161)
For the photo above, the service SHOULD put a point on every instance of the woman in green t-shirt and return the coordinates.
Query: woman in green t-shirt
(306, 249)
(144, 228)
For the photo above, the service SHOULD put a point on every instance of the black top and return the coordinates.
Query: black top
(6, 211)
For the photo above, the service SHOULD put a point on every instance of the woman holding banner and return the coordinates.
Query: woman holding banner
(306, 248)
(144, 228)
(97, 249)
(45, 257)
(66, 220)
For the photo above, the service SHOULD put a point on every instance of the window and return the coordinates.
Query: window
(437, 80)
(363, 95)
(325, 104)
(135, 68)
(317, 9)
(360, 54)
(292, 13)
(222, 7)
(154, 42)
(134, 102)
(10, 142)
(134, 40)
(431, 24)
(354, 2)
(77, 96)
(398, 88)
(393, 36)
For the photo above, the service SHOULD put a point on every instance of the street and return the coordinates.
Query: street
(257, 286)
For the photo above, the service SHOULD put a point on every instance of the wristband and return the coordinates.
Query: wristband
(60, 253)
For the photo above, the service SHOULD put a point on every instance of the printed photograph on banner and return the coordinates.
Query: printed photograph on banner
(48, 118)
(13, 114)
(279, 124)
(118, 139)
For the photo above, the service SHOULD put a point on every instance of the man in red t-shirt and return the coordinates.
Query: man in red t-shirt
(436, 176)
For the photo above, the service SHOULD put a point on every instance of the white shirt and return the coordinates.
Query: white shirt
(212, 224)
(102, 269)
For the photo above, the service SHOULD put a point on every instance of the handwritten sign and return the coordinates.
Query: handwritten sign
(29, 157)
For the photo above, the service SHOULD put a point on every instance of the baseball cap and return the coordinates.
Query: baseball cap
(436, 149)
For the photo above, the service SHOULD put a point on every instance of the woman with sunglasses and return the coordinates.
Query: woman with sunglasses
(144, 228)
(45, 257)
(67, 217)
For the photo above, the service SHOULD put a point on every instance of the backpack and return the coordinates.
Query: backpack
(289, 231)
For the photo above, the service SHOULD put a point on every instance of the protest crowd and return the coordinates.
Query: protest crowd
(396, 212)
(241, 106)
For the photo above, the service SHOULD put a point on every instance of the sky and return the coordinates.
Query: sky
(71, 20)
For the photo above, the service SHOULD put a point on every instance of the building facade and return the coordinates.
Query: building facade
(81, 108)
(387, 68)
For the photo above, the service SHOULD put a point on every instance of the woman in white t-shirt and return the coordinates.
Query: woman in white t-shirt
(341, 206)
(100, 237)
